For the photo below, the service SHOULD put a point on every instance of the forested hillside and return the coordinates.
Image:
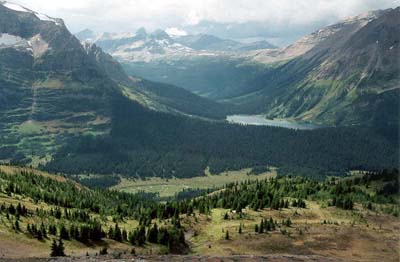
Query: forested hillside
(158, 144)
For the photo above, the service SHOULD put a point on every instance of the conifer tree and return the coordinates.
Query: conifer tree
(64, 233)
(227, 235)
(54, 249)
(61, 248)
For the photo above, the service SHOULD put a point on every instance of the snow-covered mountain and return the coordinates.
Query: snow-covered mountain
(143, 46)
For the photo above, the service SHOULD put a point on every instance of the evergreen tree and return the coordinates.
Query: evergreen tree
(226, 216)
(261, 228)
(227, 235)
(57, 249)
(152, 234)
(43, 230)
(64, 233)
(54, 249)
(103, 251)
(117, 233)
(61, 248)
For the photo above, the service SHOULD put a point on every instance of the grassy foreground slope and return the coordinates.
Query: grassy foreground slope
(348, 219)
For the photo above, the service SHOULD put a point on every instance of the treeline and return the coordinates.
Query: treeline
(158, 144)
(91, 230)
(285, 192)
(104, 181)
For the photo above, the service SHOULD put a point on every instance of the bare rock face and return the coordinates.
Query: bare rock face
(306, 43)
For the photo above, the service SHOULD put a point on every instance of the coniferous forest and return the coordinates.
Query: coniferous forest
(158, 144)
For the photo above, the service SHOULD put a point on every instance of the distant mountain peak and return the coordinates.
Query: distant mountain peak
(141, 31)
(160, 34)
(86, 31)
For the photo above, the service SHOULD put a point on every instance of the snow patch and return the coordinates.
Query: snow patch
(42, 17)
(15, 7)
(163, 42)
(9, 40)
(35, 45)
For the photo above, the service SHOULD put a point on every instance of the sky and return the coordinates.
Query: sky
(269, 19)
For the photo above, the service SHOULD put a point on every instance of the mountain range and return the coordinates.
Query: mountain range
(343, 74)
(69, 107)
(145, 47)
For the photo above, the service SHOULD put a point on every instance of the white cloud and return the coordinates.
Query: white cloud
(128, 15)
(173, 31)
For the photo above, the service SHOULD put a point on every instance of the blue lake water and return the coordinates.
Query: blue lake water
(260, 120)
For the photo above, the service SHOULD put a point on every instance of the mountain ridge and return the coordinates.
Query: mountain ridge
(158, 45)
(353, 66)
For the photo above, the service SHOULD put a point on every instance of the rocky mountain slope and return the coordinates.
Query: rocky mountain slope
(351, 75)
(52, 87)
(307, 42)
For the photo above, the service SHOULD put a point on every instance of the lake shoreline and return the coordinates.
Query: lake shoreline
(260, 120)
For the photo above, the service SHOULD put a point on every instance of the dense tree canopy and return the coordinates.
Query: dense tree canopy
(158, 144)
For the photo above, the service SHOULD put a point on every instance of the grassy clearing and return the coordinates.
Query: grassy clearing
(359, 235)
(168, 187)
(50, 83)
(30, 127)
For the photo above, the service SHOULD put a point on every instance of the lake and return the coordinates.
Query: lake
(260, 120)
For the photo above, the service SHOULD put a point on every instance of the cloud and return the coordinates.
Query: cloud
(173, 31)
(128, 15)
